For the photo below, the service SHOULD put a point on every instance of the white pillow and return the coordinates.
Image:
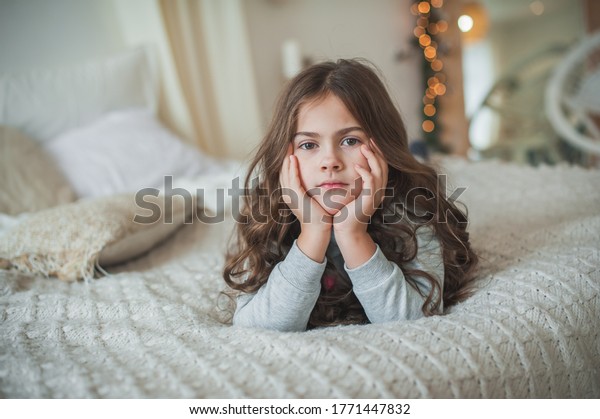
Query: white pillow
(29, 178)
(44, 103)
(125, 151)
(70, 240)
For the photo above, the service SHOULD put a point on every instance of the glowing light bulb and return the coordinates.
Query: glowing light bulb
(465, 23)
(428, 126)
(429, 110)
(424, 7)
(419, 31)
(432, 81)
(442, 26)
(430, 52)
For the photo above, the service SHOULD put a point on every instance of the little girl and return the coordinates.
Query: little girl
(340, 223)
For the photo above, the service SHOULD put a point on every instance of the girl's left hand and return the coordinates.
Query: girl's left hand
(355, 216)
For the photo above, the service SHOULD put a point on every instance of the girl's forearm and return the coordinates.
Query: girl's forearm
(356, 247)
(313, 243)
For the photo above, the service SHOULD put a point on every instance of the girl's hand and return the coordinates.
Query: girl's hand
(355, 216)
(315, 222)
(350, 223)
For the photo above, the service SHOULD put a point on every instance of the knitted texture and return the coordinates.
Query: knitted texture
(67, 241)
(151, 330)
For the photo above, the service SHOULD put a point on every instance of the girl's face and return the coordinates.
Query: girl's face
(327, 144)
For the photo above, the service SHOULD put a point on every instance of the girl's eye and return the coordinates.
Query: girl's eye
(307, 146)
(350, 141)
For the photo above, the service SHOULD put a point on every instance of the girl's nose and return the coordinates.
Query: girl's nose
(331, 161)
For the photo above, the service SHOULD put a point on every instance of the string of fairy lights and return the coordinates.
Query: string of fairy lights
(428, 26)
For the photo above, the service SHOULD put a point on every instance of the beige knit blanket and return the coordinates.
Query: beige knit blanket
(149, 330)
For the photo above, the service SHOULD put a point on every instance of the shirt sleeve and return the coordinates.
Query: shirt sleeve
(285, 302)
(382, 289)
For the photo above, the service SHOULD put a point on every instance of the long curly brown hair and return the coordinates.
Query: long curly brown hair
(266, 228)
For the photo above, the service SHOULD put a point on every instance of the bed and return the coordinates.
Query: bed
(93, 305)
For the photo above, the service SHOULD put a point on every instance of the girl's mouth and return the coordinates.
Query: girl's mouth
(333, 185)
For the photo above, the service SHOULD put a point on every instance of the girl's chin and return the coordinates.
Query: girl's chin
(332, 211)
(333, 200)
(333, 207)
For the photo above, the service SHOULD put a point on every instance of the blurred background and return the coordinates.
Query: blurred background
(469, 77)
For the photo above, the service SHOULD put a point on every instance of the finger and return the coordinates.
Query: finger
(380, 182)
(373, 161)
(284, 174)
(295, 181)
(382, 161)
(369, 194)
(288, 152)
(284, 181)
(375, 148)
(366, 176)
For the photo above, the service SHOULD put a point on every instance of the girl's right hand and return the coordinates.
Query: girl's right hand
(315, 222)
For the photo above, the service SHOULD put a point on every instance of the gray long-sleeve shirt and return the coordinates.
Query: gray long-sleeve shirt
(285, 302)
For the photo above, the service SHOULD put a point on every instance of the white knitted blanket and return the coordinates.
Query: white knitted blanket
(530, 330)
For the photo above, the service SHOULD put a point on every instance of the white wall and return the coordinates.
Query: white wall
(42, 33)
(373, 29)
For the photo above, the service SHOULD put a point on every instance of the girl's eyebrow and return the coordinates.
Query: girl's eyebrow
(337, 133)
